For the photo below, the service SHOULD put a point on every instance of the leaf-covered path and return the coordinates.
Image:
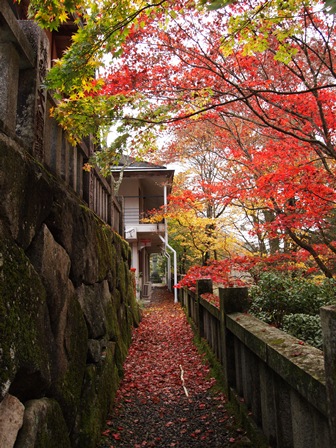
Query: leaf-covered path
(166, 398)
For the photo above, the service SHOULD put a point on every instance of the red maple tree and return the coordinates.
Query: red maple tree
(274, 120)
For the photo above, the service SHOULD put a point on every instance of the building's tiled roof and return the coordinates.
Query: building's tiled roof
(130, 162)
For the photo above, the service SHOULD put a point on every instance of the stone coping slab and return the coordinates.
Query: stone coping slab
(11, 31)
(299, 364)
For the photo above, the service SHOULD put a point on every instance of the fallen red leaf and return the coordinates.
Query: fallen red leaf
(106, 432)
(116, 436)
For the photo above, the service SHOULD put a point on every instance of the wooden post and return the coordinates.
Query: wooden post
(110, 207)
(203, 286)
(232, 300)
(328, 320)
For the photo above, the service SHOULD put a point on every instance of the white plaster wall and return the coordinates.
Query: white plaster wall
(130, 191)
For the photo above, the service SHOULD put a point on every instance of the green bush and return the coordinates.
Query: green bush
(155, 277)
(305, 327)
(292, 303)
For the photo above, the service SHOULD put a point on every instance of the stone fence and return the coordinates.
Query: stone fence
(25, 57)
(283, 387)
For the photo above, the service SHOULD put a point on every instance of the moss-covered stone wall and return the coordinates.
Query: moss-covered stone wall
(67, 307)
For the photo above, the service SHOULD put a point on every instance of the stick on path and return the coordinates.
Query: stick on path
(166, 398)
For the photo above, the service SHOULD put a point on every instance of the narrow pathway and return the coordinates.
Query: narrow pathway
(167, 397)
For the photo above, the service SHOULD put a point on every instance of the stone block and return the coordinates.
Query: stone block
(83, 237)
(11, 420)
(70, 362)
(53, 264)
(234, 300)
(94, 351)
(25, 332)
(26, 193)
(43, 426)
(90, 299)
(99, 387)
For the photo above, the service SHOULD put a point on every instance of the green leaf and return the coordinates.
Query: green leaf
(217, 4)
(330, 6)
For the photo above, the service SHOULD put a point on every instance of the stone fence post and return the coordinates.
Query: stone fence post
(328, 320)
(32, 111)
(9, 74)
(203, 286)
(16, 55)
(232, 300)
(24, 60)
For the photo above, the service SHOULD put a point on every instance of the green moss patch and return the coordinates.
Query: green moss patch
(24, 324)
(99, 389)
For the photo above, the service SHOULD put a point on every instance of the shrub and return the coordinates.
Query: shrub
(155, 277)
(292, 304)
(305, 327)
